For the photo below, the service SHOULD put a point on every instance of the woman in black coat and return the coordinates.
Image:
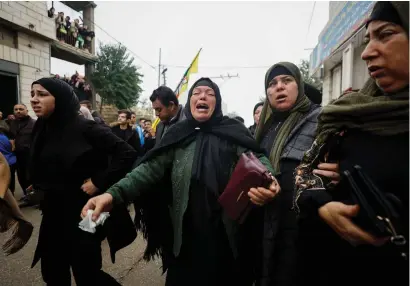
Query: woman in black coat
(370, 129)
(72, 159)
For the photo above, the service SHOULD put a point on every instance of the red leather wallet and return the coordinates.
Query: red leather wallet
(249, 173)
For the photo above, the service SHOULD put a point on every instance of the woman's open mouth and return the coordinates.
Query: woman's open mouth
(202, 107)
(281, 98)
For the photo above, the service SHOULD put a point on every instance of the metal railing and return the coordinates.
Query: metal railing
(76, 40)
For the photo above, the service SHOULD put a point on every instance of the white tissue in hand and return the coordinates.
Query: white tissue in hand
(87, 224)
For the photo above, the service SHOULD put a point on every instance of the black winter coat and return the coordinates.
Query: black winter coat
(67, 157)
(130, 136)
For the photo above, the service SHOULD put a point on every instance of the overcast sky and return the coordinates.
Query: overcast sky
(242, 38)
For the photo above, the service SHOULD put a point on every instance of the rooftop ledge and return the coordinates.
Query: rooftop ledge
(71, 54)
(79, 5)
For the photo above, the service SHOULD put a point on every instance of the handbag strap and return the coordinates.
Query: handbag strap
(398, 240)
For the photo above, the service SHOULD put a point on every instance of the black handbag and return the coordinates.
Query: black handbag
(379, 212)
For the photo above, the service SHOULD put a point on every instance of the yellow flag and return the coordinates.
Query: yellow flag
(155, 123)
(184, 85)
(194, 67)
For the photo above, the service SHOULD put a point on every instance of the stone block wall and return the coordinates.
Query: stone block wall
(26, 13)
(34, 62)
(31, 53)
(110, 113)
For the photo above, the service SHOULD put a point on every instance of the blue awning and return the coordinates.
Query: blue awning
(349, 20)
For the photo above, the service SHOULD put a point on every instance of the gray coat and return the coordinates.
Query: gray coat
(280, 228)
(302, 136)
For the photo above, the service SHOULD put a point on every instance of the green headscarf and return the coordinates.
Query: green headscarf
(300, 108)
(367, 110)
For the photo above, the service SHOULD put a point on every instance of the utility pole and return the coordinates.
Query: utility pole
(225, 76)
(159, 69)
(164, 75)
(159, 77)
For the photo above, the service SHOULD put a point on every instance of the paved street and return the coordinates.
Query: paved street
(128, 270)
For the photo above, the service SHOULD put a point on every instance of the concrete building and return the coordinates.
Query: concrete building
(337, 57)
(28, 42)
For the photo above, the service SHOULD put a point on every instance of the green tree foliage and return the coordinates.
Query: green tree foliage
(116, 79)
(304, 69)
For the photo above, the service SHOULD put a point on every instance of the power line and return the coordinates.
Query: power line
(222, 67)
(176, 66)
(225, 78)
(228, 76)
(108, 34)
(310, 21)
(122, 45)
(179, 66)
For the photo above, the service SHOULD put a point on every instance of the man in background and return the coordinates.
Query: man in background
(133, 122)
(147, 125)
(124, 131)
(149, 135)
(142, 122)
(21, 129)
(167, 108)
(3, 123)
(97, 117)
(138, 127)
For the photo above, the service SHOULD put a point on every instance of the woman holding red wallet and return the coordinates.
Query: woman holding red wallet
(177, 186)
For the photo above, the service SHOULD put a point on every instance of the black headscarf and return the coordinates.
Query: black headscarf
(256, 106)
(213, 140)
(396, 12)
(67, 105)
(66, 110)
(313, 93)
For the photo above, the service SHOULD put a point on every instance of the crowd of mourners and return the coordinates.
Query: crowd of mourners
(335, 211)
(79, 83)
(71, 31)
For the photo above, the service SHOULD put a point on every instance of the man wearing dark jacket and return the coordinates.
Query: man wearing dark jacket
(167, 108)
(124, 131)
(149, 136)
(95, 114)
(20, 130)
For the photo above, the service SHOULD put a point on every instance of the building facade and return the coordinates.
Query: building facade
(337, 57)
(27, 44)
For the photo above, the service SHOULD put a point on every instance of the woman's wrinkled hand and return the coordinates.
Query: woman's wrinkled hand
(338, 216)
(89, 188)
(260, 196)
(101, 203)
(330, 170)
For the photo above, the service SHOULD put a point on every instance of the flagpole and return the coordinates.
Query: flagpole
(179, 84)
